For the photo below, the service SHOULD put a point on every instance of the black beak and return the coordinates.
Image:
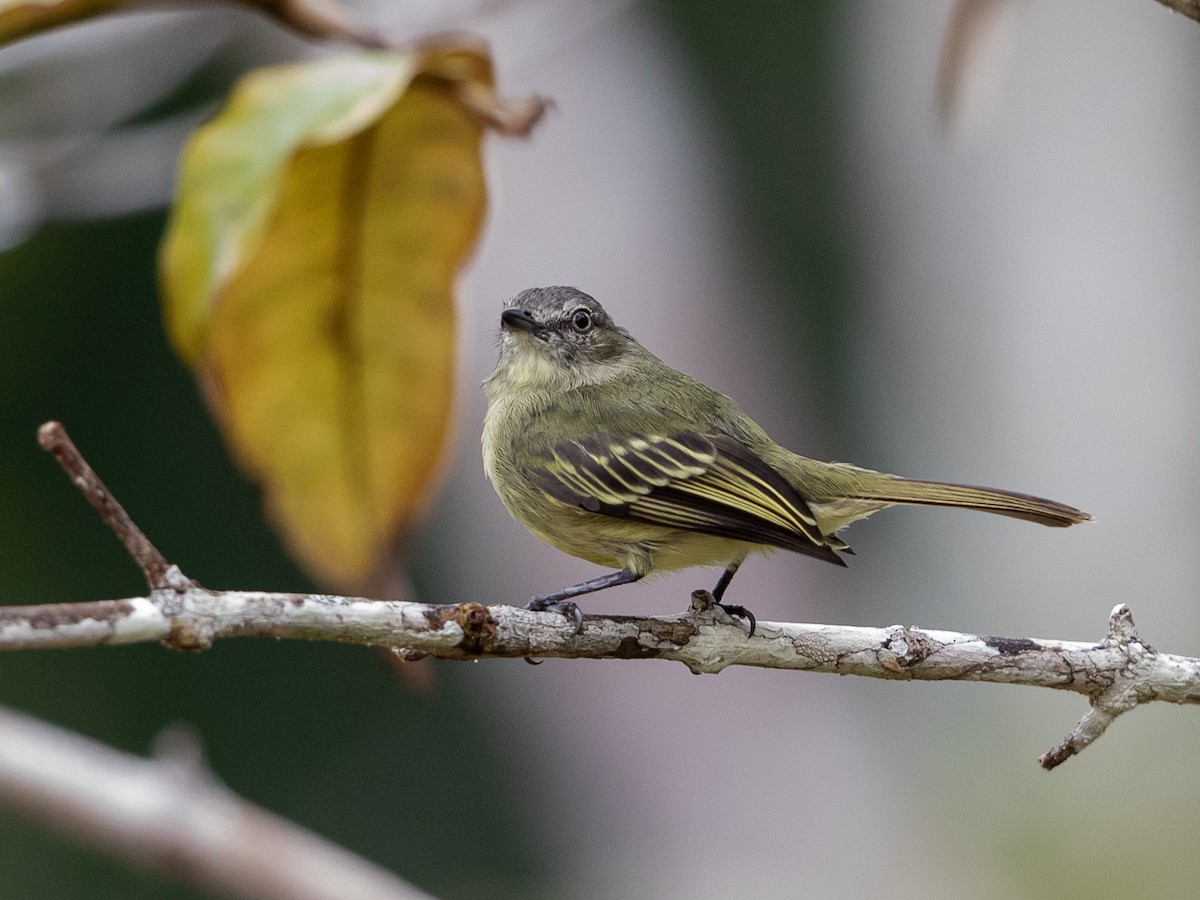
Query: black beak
(519, 320)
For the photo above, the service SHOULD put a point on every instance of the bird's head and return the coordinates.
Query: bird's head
(559, 337)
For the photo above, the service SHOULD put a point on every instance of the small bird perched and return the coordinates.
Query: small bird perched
(604, 451)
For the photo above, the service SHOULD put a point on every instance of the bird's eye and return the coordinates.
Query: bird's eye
(581, 319)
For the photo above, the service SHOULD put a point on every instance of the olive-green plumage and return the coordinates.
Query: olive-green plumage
(604, 451)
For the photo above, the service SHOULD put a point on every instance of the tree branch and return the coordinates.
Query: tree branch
(171, 815)
(1115, 674)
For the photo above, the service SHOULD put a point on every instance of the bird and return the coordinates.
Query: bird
(607, 453)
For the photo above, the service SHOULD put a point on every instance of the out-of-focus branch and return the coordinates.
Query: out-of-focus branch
(975, 53)
(318, 19)
(172, 816)
(325, 20)
(1189, 8)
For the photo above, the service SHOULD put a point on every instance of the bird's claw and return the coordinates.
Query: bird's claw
(704, 601)
(741, 612)
(568, 608)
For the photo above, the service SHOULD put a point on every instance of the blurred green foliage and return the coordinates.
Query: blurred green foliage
(325, 735)
(769, 69)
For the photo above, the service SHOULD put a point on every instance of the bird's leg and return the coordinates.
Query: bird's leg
(727, 576)
(560, 601)
(732, 608)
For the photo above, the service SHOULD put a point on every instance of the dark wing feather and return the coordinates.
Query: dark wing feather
(695, 482)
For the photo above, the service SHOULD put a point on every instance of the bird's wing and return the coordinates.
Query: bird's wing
(709, 483)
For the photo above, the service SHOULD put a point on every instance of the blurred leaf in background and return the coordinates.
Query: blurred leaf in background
(324, 735)
(308, 276)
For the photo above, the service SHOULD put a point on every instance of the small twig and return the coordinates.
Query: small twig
(510, 117)
(1124, 693)
(54, 439)
(171, 815)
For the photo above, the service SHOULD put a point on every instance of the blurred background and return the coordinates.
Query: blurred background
(767, 200)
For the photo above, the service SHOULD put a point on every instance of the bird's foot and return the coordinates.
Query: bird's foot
(704, 601)
(568, 608)
(742, 613)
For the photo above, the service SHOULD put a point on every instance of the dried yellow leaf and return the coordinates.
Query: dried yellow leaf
(308, 275)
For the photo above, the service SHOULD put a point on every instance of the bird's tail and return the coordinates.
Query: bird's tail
(993, 500)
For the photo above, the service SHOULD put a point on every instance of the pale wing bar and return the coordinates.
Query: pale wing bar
(713, 484)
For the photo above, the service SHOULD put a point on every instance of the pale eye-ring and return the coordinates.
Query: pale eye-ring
(581, 319)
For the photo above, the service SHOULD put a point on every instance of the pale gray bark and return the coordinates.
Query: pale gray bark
(1116, 673)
